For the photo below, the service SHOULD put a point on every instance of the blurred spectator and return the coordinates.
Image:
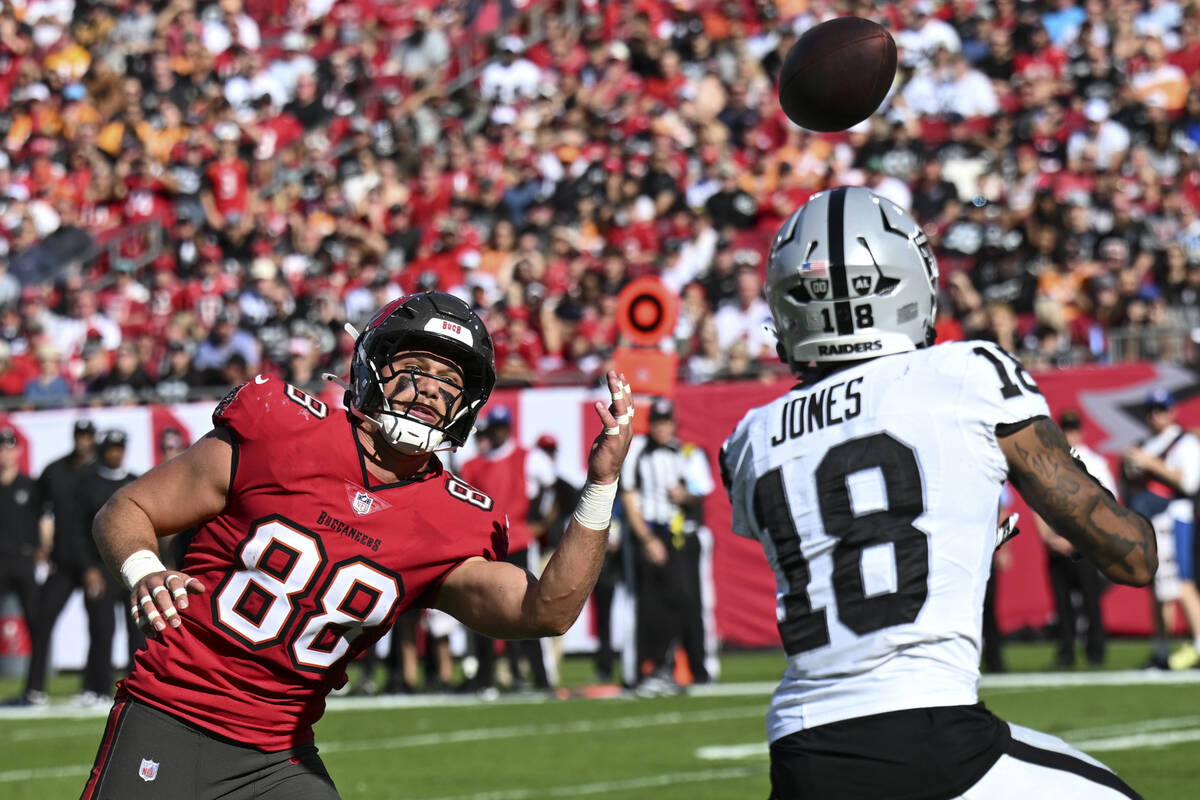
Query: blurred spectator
(746, 317)
(126, 382)
(177, 376)
(225, 342)
(15, 372)
(512, 77)
(425, 49)
(49, 383)
(303, 358)
(226, 25)
(1103, 140)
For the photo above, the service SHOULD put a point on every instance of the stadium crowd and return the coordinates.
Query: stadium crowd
(194, 191)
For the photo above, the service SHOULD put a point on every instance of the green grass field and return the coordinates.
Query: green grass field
(703, 745)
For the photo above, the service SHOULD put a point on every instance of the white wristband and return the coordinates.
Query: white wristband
(138, 566)
(595, 505)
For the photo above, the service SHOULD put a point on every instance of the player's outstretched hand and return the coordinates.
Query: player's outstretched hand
(609, 448)
(156, 600)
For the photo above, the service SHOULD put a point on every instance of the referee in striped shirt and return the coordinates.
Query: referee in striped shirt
(664, 483)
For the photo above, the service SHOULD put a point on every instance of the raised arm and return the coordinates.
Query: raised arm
(506, 602)
(1040, 465)
(174, 496)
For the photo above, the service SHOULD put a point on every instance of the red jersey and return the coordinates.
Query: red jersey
(308, 566)
(502, 475)
(277, 133)
(206, 296)
(145, 199)
(230, 186)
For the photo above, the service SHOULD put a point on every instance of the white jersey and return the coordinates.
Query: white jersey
(874, 493)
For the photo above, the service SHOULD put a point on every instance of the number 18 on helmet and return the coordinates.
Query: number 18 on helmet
(850, 276)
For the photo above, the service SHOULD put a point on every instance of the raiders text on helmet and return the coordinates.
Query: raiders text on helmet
(433, 322)
(851, 276)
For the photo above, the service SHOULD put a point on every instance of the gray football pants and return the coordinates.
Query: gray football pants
(146, 754)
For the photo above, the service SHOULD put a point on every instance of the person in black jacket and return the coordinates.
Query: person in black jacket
(20, 541)
(73, 563)
(95, 487)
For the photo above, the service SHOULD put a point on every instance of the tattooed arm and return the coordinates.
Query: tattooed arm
(1041, 467)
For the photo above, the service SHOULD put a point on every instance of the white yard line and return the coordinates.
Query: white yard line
(607, 787)
(545, 729)
(44, 773)
(1135, 742)
(1121, 677)
(1126, 728)
(733, 752)
(1016, 681)
(64, 731)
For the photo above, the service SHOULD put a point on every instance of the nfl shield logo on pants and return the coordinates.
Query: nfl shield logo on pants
(149, 770)
(362, 503)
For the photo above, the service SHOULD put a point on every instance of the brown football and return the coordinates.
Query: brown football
(837, 73)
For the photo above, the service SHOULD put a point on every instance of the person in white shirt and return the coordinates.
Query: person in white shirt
(295, 62)
(1110, 138)
(922, 34)
(743, 318)
(227, 25)
(512, 78)
(872, 487)
(968, 91)
(1070, 574)
(1164, 475)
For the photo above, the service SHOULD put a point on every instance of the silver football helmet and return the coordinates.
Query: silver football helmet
(850, 276)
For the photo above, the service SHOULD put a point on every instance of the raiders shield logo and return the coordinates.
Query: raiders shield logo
(362, 503)
(819, 287)
(862, 284)
(148, 771)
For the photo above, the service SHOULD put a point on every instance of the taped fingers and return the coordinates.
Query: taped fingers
(180, 592)
(150, 613)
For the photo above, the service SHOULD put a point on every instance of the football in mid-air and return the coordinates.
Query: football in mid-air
(837, 73)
